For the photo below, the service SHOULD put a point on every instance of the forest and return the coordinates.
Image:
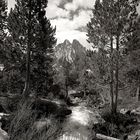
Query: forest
(64, 91)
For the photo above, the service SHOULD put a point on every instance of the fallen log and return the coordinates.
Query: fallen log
(103, 137)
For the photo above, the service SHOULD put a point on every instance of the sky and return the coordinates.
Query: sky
(70, 18)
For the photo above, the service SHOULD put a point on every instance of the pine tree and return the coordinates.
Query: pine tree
(3, 49)
(43, 54)
(33, 35)
(108, 27)
(133, 49)
(3, 19)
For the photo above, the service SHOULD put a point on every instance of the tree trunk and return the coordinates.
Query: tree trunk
(138, 94)
(85, 89)
(117, 74)
(103, 99)
(111, 76)
(27, 81)
(66, 86)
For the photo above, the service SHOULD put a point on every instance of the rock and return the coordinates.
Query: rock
(3, 134)
(77, 94)
(47, 107)
(123, 111)
(134, 136)
(133, 111)
(136, 111)
(64, 112)
(71, 102)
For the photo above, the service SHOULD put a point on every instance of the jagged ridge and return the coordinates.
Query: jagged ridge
(69, 51)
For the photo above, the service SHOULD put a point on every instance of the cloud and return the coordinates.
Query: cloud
(54, 2)
(78, 21)
(82, 18)
(71, 35)
(71, 29)
(85, 4)
(69, 21)
(53, 11)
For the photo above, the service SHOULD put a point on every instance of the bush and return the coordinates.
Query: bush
(106, 128)
(115, 125)
(119, 119)
(24, 126)
(93, 98)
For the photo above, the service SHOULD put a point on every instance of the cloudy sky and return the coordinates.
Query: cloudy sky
(70, 18)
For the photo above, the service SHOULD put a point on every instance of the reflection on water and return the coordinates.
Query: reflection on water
(78, 125)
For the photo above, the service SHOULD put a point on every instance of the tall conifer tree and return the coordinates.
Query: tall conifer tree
(33, 34)
(133, 51)
(3, 19)
(108, 27)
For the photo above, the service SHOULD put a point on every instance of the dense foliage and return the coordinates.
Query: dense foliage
(34, 36)
(108, 29)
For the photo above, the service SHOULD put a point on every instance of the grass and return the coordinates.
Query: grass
(24, 126)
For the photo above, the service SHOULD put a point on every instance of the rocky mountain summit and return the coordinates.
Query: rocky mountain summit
(69, 51)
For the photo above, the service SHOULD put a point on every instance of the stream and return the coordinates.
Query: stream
(78, 126)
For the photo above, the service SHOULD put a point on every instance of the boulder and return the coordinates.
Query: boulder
(3, 134)
(134, 136)
(64, 112)
(47, 107)
(136, 111)
(77, 94)
(124, 111)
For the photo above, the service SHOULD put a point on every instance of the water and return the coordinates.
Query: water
(78, 126)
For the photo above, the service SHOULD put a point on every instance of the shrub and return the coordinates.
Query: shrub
(115, 125)
(23, 126)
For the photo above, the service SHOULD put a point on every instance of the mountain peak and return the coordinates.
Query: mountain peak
(70, 51)
(67, 42)
(76, 43)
